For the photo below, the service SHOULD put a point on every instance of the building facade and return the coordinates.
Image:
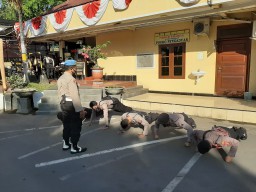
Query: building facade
(182, 46)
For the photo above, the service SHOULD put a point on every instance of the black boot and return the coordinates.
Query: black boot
(76, 149)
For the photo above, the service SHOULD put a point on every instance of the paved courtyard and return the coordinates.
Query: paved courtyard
(32, 159)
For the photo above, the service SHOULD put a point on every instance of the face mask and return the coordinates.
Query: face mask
(74, 72)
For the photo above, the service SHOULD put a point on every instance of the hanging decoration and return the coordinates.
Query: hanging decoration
(26, 25)
(91, 13)
(121, 4)
(61, 19)
(37, 25)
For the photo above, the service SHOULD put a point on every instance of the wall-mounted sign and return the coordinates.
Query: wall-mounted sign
(172, 37)
(54, 48)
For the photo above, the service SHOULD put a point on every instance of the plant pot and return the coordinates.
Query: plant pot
(97, 73)
(114, 90)
(24, 100)
(24, 92)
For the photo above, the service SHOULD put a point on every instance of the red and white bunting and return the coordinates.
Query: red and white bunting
(61, 19)
(26, 25)
(37, 25)
(121, 4)
(91, 13)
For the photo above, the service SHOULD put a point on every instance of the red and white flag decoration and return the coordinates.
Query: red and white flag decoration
(91, 13)
(61, 19)
(25, 27)
(121, 4)
(37, 25)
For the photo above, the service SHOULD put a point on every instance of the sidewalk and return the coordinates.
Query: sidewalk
(231, 109)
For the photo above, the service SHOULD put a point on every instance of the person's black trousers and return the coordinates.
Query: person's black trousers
(120, 107)
(72, 123)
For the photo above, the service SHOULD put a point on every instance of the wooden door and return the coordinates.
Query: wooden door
(232, 66)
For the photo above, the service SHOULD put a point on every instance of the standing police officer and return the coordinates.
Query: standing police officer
(73, 112)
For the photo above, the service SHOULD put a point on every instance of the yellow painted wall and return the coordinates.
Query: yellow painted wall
(125, 45)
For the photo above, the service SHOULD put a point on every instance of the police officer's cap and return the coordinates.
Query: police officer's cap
(163, 118)
(70, 62)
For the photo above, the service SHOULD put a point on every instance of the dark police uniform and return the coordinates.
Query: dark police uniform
(179, 120)
(71, 106)
(217, 139)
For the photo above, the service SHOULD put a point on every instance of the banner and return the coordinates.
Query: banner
(91, 13)
(61, 19)
(172, 37)
(37, 25)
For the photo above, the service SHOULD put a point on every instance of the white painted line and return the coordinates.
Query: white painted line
(31, 129)
(15, 136)
(53, 145)
(50, 127)
(43, 164)
(68, 176)
(39, 150)
(183, 172)
(98, 165)
(13, 131)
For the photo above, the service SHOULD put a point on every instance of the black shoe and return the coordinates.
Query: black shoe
(77, 149)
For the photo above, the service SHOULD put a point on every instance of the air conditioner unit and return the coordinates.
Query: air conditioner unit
(201, 26)
(254, 29)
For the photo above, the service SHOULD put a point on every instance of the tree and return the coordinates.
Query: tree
(25, 9)
(17, 4)
(34, 8)
(31, 8)
(7, 12)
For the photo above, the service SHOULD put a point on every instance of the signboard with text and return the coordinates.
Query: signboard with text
(170, 37)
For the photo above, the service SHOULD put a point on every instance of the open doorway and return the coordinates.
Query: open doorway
(72, 48)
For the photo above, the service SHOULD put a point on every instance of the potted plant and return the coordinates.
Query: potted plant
(20, 95)
(93, 54)
(17, 85)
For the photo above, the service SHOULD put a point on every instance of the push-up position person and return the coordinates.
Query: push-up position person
(219, 137)
(180, 120)
(104, 105)
(137, 119)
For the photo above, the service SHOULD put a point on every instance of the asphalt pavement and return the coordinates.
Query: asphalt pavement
(32, 159)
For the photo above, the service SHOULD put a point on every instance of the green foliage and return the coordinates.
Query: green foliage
(7, 11)
(40, 86)
(30, 8)
(95, 53)
(34, 8)
(16, 82)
